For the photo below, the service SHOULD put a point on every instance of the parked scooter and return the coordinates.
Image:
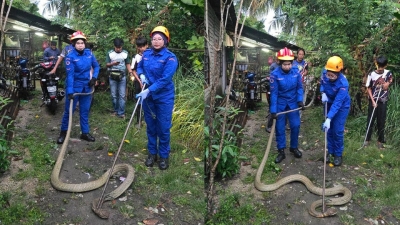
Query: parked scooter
(24, 79)
(49, 84)
(251, 90)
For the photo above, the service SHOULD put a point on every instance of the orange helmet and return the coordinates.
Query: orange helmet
(78, 34)
(161, 29)
(334, 63)
(285, 54)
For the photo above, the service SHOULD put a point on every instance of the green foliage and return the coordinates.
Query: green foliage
(228, 164)
(26, 5)
(196, 43)
(194, 6)
(357, 30)
(5, 150)
(233, 209)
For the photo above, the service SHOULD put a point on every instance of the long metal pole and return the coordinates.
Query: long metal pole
(325, 152)
(116, 156)
(370, 120)
(140, 110)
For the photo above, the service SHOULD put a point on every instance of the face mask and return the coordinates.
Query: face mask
(331, 76)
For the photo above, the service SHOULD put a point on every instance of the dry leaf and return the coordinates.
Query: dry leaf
(150, 221)
(197, 159)
(127, 141)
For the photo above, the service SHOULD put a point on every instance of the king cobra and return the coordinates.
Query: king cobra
(83, 187)
(340, 189)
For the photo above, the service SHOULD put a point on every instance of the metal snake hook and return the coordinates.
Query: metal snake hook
(325, 151)
(101, 200)
(140, 111)
(370, 120)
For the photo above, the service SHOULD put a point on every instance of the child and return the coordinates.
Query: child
(141, 45)
(378, 92)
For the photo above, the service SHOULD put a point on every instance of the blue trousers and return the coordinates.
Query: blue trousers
(84, 107)
(335, 136)
(118, 95)
(294, 121)
(158, 117)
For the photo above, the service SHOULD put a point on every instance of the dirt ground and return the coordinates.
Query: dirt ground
(75, 208)
(290, 203)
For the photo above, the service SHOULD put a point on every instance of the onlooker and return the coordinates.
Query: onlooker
(286, 94)
(141, 46)
(378, 83)
(273, 66)
(64, 53)
(51, 53)
(78, 65)
(301, 64)
(117, 62)
(156, 70)
(335, 93)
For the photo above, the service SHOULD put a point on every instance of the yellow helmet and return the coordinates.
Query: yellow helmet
(334, 63)
(161, 29)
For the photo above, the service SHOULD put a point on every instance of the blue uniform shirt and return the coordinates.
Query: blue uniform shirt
(337, 93)
(48, 52)
(286, 89)
(159, 68)
(78, 70)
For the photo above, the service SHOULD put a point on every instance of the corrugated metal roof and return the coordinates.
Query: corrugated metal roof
(36, 23)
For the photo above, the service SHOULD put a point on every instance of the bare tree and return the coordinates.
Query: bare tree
(3, 22)
(214, 81)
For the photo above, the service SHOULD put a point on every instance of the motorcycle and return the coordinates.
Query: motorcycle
(49, 84)
(24, 79)
(250, 90)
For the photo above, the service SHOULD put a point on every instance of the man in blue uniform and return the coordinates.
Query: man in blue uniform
(156, 69)
(335, 93)
(78, 65)
(286, 94)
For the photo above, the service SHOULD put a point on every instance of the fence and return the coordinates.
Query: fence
(9, 111)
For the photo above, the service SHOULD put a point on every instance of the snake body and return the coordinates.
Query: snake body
(340, 189)
(83, 187)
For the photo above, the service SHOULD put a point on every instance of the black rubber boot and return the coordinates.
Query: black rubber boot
(297, 153)
(87, 137)
(151, 159)
(337, 161)
(61, 138)
(281, 156)
(163, 164)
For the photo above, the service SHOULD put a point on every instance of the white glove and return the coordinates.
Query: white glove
(143, 95)
(143, 79)
(324, 98)
(327, 124)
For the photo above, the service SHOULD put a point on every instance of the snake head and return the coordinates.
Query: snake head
(330, 212)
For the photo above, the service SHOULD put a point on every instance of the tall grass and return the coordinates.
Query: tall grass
(358, 125)
(188, 115)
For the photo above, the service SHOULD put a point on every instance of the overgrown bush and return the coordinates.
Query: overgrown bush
(230, 155)
(5, 151)
(188, 115)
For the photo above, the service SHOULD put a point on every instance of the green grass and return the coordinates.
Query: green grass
(235, 208)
